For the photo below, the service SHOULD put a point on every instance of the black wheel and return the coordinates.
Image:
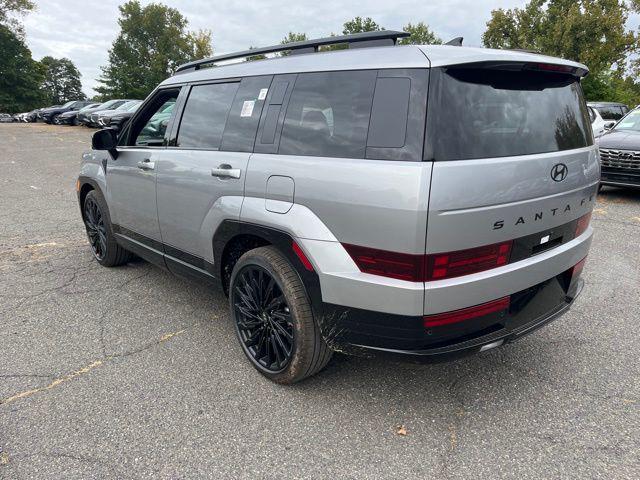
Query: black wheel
(55, 119)
(75, 122)
(99, 232)
(273, 318)
(600, 187)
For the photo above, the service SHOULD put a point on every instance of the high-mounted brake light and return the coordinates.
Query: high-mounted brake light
(464, 314)
(465, 262)
(583, 224)
(421, 268)
(551, 67)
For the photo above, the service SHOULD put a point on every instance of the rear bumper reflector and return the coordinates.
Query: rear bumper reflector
(464, 314)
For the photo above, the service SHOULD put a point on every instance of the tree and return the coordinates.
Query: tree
(359, 25)
(588, 31)
(14, 7)
(153, 41)
(291, 38)
(421, 34)
(61, 81)
(592, 32)
(20, 75)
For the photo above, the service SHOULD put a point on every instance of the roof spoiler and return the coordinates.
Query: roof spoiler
(357, 40)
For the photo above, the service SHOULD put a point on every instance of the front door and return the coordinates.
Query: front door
(131, 177)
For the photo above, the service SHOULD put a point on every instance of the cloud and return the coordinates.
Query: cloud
(83, 30)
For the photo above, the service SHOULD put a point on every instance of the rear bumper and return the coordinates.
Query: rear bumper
(406, 338)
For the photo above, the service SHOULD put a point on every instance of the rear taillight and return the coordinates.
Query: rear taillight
(583, 224)
(464, 262)
(577, 268)
(403, 266)
(465, 314)
(421, 268)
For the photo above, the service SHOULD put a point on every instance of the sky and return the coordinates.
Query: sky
(83, 30)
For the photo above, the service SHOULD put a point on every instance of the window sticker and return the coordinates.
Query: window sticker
(263, 93)
(247, 108)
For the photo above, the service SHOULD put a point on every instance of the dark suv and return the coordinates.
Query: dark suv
(620, 152)
(51, 115)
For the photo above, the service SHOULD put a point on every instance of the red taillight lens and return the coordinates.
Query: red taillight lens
(465, 262)
(583, 224)
(403, 266)
(466, 313)
(577, 268)
(421, 268)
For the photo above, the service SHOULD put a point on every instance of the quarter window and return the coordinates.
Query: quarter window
(205, 115)
(328, 114)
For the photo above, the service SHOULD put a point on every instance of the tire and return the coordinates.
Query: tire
(55, 119)
(600, 187)
(100, 233)
(275, 325)
(75, 122)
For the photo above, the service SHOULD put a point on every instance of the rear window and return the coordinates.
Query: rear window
(484, 113)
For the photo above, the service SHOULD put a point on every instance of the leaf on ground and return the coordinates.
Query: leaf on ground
(401, 430)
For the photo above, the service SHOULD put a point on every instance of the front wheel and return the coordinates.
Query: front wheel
(273, 318)
(100, 233)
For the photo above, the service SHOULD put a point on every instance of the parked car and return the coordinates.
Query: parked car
(6, 118)
(104, 116)
(118, 120)
(71, 117)
(83, 117)
(598, 124)
(51, 115)
(620, 152)
(42, 110)
(337, 215)
(610, 111)
(94, 116)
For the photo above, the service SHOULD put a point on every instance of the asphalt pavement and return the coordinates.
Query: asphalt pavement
(134, 373)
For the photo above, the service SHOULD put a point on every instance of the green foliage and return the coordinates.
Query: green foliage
(61, 81)
(592, 32)
(421, 34)
(20, 75)
(253, 58)
(359, 25)
(14, 7)
(153, 41)
(291, 38)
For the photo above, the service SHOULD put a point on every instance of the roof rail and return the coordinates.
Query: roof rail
(357, 40)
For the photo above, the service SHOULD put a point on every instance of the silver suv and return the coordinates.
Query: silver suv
(419, 201)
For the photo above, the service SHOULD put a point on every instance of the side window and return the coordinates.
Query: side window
(328, 114)
(398, 115)
(242, 122)
(150, 126)
(205, 115)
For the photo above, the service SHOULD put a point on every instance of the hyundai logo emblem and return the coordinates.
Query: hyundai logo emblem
(559, 172)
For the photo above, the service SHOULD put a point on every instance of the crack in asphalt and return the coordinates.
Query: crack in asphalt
(95, 364)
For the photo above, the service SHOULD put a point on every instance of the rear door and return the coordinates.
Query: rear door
(201, 175)
(513, 160)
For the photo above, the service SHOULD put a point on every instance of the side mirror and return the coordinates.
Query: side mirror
(105, 139)
(609, 125)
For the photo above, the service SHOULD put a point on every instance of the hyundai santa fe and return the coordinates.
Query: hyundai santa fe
(423, 202)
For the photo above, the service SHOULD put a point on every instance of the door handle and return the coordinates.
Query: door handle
(146, 164)
(225, 171)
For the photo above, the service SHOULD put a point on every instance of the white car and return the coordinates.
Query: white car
(598, 124)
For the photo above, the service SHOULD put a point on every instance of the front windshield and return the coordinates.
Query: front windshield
(630, 122)
(106, 105)
(133, 107)
(68, 104)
